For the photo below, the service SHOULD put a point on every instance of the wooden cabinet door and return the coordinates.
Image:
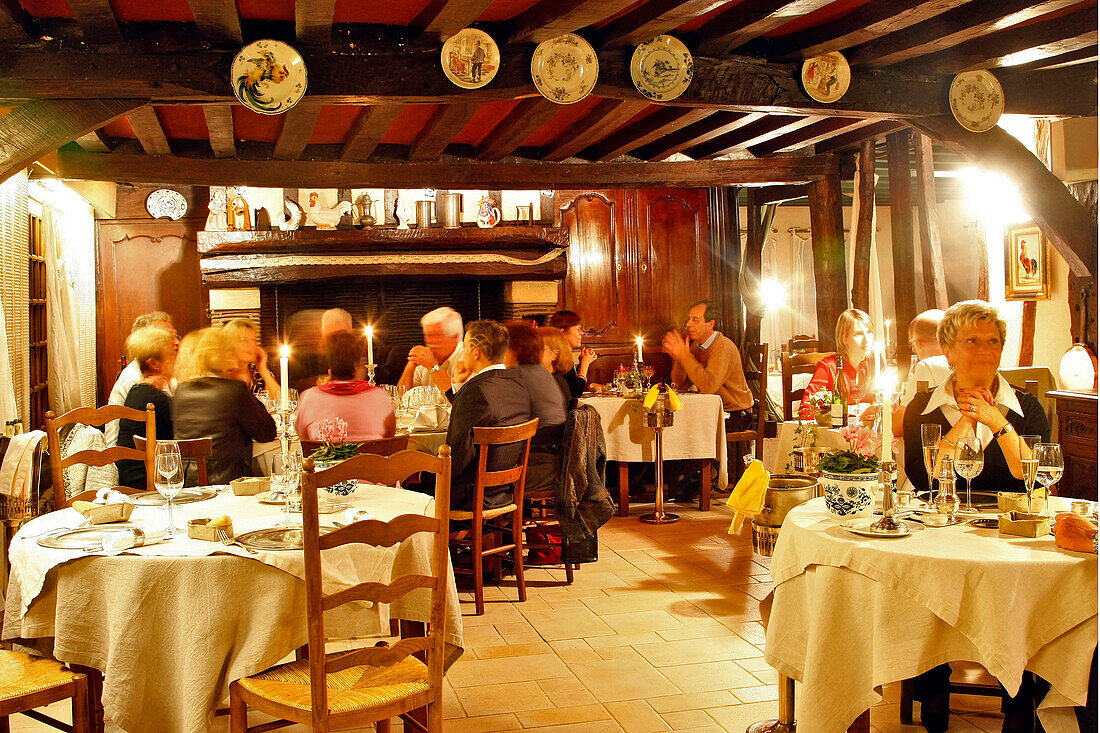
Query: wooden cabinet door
(600, 283)
(674, 257)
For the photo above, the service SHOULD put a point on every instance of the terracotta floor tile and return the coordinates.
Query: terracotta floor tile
(702, 629)
(482, 724)
(602, 726)
(623, 640)
(566, 692)
(688, 719)
(563, 716)
(519, 633)
(636, 716)
(510, 650)
(670, 653)
(506, 698)
(477, 672)
(724, 675)
(574, 651)
(740, 717)
(754, 664)
(613, 680)
(756, 693)
(569, 623)
(641, 621)
(692, 701)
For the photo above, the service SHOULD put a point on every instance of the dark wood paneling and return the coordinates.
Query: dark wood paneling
(1077, 435)
(673, 241)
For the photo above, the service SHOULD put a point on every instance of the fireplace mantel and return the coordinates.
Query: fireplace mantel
(503, 252)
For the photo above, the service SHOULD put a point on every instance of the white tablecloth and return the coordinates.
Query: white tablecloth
(782, 461)
(172, 624)
(698, 431)
(850, 613)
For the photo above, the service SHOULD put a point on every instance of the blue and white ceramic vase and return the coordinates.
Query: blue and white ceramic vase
(849, 495)
(344, 488)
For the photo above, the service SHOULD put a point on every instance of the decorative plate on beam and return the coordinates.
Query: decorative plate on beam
(164, 202)
(470, 58)
(661, 68)
(826, 77)
(565, 68)
(977, 100)
(268, 77)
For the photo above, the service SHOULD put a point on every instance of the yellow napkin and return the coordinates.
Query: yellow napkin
(747, 497)
(650, 400)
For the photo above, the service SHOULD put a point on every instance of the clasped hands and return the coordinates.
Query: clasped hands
(978, 406)
(675, 345)
(423, 356)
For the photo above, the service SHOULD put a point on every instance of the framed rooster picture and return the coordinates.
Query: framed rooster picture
(1027, 263)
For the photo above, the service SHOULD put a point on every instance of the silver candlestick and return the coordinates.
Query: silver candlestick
(658, 418)
(888, 523)
(370, 373)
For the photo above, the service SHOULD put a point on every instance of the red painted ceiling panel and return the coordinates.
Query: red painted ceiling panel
(407, 125)
(120, 128)
(47, 8)
(137, 10)
(560, 122)
(267, 9)
(624, 11)
(504, 10)
(697, 23)
(249, 125)
(386, 12)
(488, 115)
(183, 123)
(333, 123)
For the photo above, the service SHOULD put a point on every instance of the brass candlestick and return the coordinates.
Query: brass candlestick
(888, 523)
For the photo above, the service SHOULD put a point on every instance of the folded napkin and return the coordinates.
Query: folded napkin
(431, 417)
(111, 496)
(120, 542)
(352, 515)
(17, 472)
(650, 400)
(747, 497)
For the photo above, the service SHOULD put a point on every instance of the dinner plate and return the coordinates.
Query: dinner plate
(186, 496)
(268, 77)
(985, 523)
(88, 538)
(661, 68)
(862, 527)
(977, 100)
(826, 77)
(275, 538)
(565, 68)
(470, 58)
(271, 497)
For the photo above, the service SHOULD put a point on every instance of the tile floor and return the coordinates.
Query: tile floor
(663, 633)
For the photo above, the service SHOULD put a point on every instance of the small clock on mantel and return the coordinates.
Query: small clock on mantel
(166, 203)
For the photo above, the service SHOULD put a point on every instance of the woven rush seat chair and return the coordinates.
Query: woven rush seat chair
(28, 682)
(351, 689)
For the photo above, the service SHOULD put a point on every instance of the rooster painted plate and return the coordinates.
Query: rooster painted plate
(268, 77)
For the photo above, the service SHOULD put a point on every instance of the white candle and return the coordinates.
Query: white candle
(885, 452)
(284, 374)
(886, 337)
(370, 345)
(639, 342)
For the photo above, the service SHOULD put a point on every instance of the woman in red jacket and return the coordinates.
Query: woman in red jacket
(854, 340)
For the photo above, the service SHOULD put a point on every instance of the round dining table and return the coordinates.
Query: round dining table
(850, 613)
(170, 625)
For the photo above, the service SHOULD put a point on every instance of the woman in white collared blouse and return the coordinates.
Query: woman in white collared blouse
(975, 399)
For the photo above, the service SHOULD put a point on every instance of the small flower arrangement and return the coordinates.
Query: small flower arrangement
(823, 401)
(333, 432)
(860, 439)
(846, 461)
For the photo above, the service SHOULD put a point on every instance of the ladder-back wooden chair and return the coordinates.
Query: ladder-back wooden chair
(790, 365)
(97, 416)
(379, 447)
(496, 520)
(372, 684)
(191, 449)
(31, 682)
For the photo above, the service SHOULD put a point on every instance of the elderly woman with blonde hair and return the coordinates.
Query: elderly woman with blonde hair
(211, 403)
(154, 351)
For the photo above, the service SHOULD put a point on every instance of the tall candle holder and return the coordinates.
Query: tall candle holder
(370, 374)
(657, 418)
(888, 523)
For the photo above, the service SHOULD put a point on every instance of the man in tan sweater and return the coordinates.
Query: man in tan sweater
(712, 363)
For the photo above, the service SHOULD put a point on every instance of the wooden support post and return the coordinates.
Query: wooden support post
(864, 224)
(1027, 335)
(901, 227)
(750, 269)
(725, 241)
(935, 286)
(827, 240)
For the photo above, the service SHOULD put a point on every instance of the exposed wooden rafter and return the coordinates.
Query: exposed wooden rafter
(367, 130)
(97, 21)
(608, 116)
(653, 18)
(754, 133)
(550, 18)
(750, 19)
(16, 24)
(697, 133)
(808, 135)
(652, 127)
(855, 138)
(217, 20)
(444, 18)
(298, 124)
(150, 134)
(219, 126)
(95, 141)
(864, 226)
(928, 223)
(901, 233)
(527, 117)
(313, 21)
(447, 122)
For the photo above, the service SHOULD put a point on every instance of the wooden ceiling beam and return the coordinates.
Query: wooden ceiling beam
(511, 132)
(865, 23)
(1034, 41)
(652, 127)
(748, 20)
(313, 21)
(95, 141)
(217, 20)
(97, 20)
(1080, 56)
(367, 130)
(608, 116)
(444, 18)
(755, 133)
(961, 24)
(297, 129)
(149, 132)
(855, 138)
(550, 18)
(447, 122)
(16, 24)
(344, 174)
(697, 133)
(219, 127)
(36, 128)
(808, 135)
(653, 18)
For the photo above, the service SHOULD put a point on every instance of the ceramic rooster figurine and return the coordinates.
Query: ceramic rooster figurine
(293, 215)
(327, 217)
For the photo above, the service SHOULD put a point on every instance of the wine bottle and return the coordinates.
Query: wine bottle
(840, 386)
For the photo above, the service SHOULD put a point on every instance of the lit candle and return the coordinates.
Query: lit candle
(370, 345)
(886, 337)
(284, 374)
(886, 386)
(639, 342)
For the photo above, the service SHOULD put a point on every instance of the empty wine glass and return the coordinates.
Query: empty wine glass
(287, 482)
(1050, 467)
(929, 440)
(264, 398)
(169, 477)
(1029, 461)
(969, 462)
(292, 400)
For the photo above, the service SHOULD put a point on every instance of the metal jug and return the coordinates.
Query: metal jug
(449, 207)
(423, 214)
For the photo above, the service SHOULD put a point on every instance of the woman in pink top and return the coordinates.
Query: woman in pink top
(367, 410)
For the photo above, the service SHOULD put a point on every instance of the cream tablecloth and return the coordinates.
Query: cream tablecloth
(850, 613)
(698, 431)
(171, 625)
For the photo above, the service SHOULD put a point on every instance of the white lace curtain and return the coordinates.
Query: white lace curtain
(61, 325)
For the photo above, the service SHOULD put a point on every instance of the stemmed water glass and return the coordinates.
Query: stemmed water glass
(168, 479)
(1050, 467)
(947, 500)
(287, 482)
(969, 463)
(930, 441)
(1029, 461)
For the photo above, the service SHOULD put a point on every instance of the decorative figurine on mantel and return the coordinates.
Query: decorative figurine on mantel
(402, 211)
(488, 214)
(293, 217)
(364, 211)
(327, 217)
(238, 214)
(216, 220)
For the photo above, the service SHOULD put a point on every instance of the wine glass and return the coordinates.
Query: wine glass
(292, 400)
(169, 477)
(1029, 461)
(969, 463)
(288, 482)
(1050, 467)
(648, 370)
(947, 500)
(929, 440)
(264, 398)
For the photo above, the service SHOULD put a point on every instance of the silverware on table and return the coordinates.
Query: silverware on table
(227, 540)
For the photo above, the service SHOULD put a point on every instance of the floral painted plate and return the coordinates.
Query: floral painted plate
(164, 202)
(470, 58)
(268, 77)
(565, 68)
(826, 77)
(977, 100)
(661, 68)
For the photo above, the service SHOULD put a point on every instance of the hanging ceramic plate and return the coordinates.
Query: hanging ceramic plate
(565, 68)
(164, 202)
(826, 77)
(268, 77)
(977, 100)
(661, 68)
(470, 58)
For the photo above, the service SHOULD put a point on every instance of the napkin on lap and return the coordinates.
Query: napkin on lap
(430, 417)
(747, 497)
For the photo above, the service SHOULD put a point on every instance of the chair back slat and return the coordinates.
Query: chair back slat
(377, 533)
(486, 438)
(91, 494)
(378, 592)
(191, 449)
(380, 447)
(797, 363)
(507, 434)
(98, 416)
(801, 343)
(755, 361)
(382, 470)
(102, 457)
(502, 478)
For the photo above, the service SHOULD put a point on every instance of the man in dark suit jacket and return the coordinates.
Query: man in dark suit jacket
(491, 397)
